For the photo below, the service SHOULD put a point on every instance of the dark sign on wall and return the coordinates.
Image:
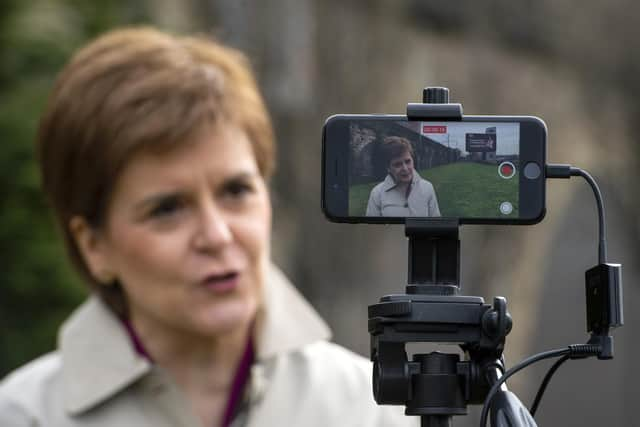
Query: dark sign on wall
(481, 142)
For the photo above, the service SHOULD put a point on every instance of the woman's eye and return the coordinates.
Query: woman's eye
(166, 208)
(238, 189)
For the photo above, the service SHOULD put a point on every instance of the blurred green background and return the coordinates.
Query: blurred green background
(573, 63)
(38, 287)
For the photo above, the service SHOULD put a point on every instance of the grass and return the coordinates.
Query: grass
(463, 190)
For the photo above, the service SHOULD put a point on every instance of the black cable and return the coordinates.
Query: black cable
(528, 361)
(545, 383)
(602, 239)
(573, 351)
(567, 171)
(600, 346)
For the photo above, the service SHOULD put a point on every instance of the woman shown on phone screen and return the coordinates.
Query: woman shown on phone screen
(403, 193)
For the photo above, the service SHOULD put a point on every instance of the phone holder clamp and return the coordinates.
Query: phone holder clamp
(435, 106)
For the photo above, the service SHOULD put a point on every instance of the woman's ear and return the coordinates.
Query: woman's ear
(93, 249)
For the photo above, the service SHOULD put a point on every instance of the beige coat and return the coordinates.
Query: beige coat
(96, 378)
(386, 199)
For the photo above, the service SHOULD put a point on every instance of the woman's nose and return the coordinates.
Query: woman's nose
(213, 231)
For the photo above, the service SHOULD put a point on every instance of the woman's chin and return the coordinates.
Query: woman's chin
(226, 318)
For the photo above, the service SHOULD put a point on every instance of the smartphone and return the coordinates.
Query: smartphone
(479, 170)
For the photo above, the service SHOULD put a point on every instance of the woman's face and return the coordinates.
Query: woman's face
(187, 235)
(401, 168)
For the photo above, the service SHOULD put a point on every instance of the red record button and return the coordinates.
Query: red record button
(506, 170)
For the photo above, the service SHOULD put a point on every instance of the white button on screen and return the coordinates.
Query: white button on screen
(506, 208)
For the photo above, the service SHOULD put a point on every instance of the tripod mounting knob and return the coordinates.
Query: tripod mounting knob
(435, 95)
(497, 322)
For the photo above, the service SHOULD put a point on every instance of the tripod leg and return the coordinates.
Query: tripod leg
(435, 421)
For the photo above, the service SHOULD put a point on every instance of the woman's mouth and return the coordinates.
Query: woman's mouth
(222, 283)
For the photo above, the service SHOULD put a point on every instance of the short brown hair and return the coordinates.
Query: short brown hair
(132, 90)
(395, 146)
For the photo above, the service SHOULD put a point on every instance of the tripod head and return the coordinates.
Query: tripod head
(435, 386)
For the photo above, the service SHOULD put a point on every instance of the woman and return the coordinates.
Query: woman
(155, 151)
(403, 193)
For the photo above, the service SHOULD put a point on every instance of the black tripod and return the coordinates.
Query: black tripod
(436, 386)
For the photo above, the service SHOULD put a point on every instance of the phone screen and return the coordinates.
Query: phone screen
(464, 169)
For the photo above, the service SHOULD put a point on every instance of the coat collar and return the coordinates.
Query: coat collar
(390, 183)
(99, 360)
(286, 321)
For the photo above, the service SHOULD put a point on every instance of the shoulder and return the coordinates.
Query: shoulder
(377, 190)
(337, 387)
(37, 375)
(337, 366)
(424, 185)
(333, 354)
(25, 392)
(324, 361)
